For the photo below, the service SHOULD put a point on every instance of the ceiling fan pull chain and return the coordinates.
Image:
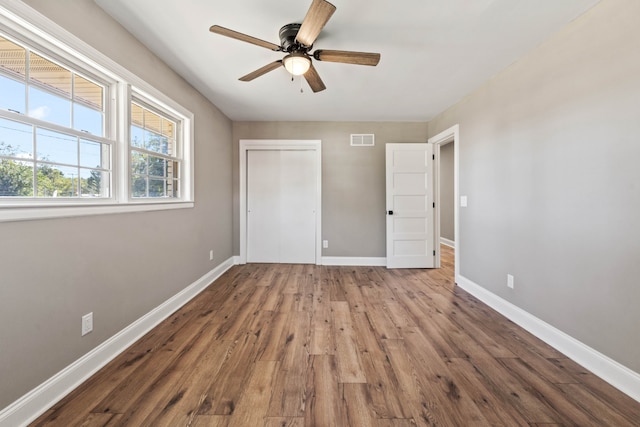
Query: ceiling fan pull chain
(301, 91)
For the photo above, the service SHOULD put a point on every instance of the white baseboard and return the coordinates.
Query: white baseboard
(236, 259)
(447, 242)
(619, 376)
(355, 261)
(37, 401)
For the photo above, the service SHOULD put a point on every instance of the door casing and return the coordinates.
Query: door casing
(278, 144)
(451, 134)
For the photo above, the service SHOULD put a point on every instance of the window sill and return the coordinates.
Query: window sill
(8, 214)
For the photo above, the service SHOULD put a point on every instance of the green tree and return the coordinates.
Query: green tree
(52, 182)
(16, 178)
(93, 184)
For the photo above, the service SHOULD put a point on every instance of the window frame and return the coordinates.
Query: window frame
(143, 100)
(23, 24)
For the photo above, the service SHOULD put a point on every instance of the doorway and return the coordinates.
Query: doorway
(280, 201)
(451, 135)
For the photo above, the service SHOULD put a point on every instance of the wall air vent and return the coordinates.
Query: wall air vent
(362, 140)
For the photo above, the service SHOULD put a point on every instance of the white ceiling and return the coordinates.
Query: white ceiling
(434, 52)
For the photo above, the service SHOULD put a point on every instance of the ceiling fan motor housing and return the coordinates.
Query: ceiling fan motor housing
(288, 41)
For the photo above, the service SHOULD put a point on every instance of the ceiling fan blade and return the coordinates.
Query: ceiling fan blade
(314, 80)
(217, 29)
(260, 71)
(317, 16)
(347, 57)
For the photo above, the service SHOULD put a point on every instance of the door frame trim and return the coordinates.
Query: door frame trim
(451, 134)
(279, 145)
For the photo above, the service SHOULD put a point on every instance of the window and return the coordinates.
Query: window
(55, 146)
(78, 130)
(154, 153)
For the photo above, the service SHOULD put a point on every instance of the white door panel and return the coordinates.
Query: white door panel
(281, 206)
(263, 193)
(298, 207)
(410, 226)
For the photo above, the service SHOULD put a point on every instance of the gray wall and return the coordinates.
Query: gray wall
(549, 153)
(353, 178)
(118, 266)
(447, 192)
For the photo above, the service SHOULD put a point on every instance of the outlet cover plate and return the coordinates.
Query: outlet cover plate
(510, 281)
(87, 323)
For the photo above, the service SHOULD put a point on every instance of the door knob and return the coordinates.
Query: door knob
(390, 212)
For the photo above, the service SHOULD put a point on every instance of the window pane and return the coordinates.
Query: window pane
(173, 187)
(168, 128)
(138, 163)
(94, 183)
(156, 142)
(173, 170)
(57, 181)
(152, 121)
(16, 178)
(136, 115)
(94, 154)
(157, 166)
(137, 136)
(56, 147)
(45, 106)
(138, 186)
(16, 139)
(12, 95)
(87, 120)
(50, 75)
(156, 188)
(12, 58)
(88, 92)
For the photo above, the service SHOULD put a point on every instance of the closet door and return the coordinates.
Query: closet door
(281, 206)
(263, 209)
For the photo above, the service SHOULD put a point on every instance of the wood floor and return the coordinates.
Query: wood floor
(294, 345)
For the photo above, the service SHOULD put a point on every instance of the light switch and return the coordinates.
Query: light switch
(463, 201)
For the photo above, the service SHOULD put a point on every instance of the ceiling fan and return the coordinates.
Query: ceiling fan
(297, 41)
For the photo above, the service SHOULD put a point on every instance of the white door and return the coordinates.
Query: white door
(281, 206)
(410, 208)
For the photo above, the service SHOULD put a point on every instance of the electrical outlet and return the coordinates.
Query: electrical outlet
(211, 255)
(87, 323)
(510, 281)
(325, 244)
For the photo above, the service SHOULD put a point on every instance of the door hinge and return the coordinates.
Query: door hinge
(434, 253)
(434, 205)
(433, 156)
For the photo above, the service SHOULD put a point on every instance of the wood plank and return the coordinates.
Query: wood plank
(381, 380)
(289, 389)
(136, 383)
(357, 405)
(599, 410)
(253, 404)
(210, 421)
(284, 422)
(227, 386)
(323, 408)
(396, 422)
(550, 395)
(193, 381)
(426, 411)
(493, 408)
(512, 390)
(604, 392)
(435, 379)
(347, 356)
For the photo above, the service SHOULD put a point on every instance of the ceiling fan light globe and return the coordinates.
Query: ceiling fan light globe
(297, 64)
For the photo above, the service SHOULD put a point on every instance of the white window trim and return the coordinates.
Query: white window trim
(20, 18)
